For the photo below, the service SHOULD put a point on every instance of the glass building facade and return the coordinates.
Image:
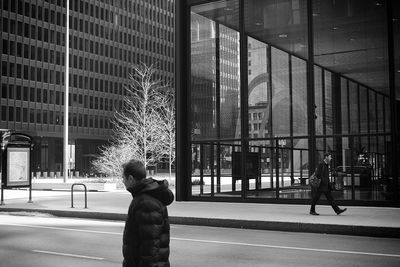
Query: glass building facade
(106, 37)
(265, 87)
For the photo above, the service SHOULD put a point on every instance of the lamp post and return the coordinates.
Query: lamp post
(66, 96)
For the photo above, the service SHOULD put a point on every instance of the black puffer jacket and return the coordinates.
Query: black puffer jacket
(147, 231)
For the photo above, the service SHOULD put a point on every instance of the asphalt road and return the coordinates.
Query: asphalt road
(41, 240)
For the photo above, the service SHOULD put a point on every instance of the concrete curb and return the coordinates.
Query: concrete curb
(357, 230)
(372, 231)
(72, 213)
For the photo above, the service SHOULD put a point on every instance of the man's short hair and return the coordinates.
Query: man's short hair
(135, 168)
(327, 154)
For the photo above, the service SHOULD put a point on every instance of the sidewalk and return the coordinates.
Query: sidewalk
(365, 221)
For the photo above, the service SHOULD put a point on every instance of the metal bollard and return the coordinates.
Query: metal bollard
(72, 195)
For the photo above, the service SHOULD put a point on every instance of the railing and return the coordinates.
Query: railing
(72, 194)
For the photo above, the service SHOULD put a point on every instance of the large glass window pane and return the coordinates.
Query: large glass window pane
(350, 38)
(227, 183)
(396, 44)
(293, 171)
(380, 113)
(299, 96)
(344, 105)
(280, 93)
(372, 111)
(319, 100)
(328, 115)
(214, 97)
(387, 114)
(229, 83)
(353, 108)
(284, 168)
(215, 75)
(363, 109)
(258, 89)
(282, 24)
(300, 159)
(262, 181)
(201, 173)
(203, 77)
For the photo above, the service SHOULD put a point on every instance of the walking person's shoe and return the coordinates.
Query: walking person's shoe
(313, 213)
(339, 211)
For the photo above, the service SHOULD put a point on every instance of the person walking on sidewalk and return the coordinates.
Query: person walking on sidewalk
(147, 231)
(322, 172)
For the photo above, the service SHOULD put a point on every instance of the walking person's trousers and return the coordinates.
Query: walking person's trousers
(317, 194)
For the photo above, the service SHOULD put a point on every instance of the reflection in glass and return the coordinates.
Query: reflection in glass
(381, 113)
(282, 24)
(299, 96)
(203, 77)
(258, 90)
(387, 114)
(363, 110)
(215, 97)
(344, 106)
(229, 82)
(353, 108)
(396, 45)
(328, 105)
(350, 38)
(372, 112)
(280, 93)
(267, 161)
(319, 98)
(201, 171)
(351, 97)
(215, 76)
(300, 159)
(226, 183)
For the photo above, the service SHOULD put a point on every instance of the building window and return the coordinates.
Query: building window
(3, 113)
(11, 113)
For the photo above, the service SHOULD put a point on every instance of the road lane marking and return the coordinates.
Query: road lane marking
(219, 242)
(67, 254)
(61, 228)
(285, 247)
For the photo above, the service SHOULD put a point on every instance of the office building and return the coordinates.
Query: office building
(265, 87)
(105, 38)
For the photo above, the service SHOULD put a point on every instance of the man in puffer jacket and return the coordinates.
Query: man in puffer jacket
(147, 231)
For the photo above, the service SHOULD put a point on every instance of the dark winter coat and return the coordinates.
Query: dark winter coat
(147, 231)
(322, 173)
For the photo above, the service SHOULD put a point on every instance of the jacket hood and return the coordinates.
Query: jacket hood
(155, 188)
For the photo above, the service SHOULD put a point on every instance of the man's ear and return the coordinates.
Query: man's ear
(130, 177)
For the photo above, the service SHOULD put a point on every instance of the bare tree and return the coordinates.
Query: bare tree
(111, 159)
(136, 131)
(167, 128)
